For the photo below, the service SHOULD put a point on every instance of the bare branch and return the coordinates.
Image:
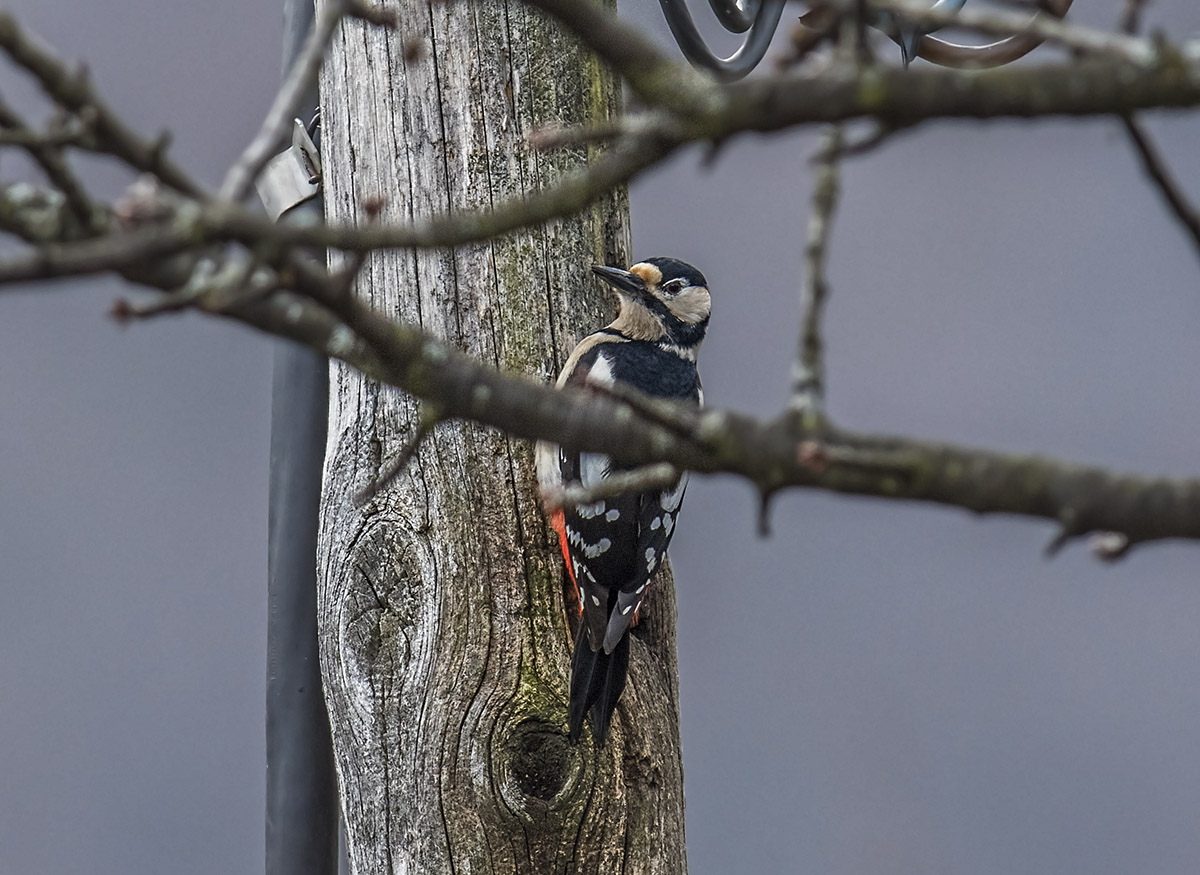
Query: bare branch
(1160, 175)
(300, 78)
(215, 284)
(569, 195)
(1047, 28)
(771, 454)
(660, 476)
(658, 79)
(905, 97)
(270, 287)
(897, 98)
(26, 138)
(49, 157)
(1131, 16)
(425, 424)
(73, 91)
(808, 374)
(117, 252)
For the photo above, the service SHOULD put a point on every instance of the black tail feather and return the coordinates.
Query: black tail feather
(611, 687)
(597, 681)
(583, 669)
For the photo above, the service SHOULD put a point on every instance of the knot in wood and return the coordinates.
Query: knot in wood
(540, 759)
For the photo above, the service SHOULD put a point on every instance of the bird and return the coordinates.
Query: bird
(613, 546)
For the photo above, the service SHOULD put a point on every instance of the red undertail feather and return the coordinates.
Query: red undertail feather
(559, 524)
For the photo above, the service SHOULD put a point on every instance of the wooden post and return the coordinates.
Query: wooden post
(444, 638)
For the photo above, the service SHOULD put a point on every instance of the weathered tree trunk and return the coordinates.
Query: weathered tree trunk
(444, 639)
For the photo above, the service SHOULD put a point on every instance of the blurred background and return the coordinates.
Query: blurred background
(884, 688)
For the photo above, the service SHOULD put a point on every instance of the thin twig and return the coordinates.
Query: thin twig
(73, 91)
(1156, 168)
(112, 252)
(657, 78)
(545, 138)
(75, 134)
(299, 80)
(49, 157)
(216, 283)
(1001, 22)
(650, 477)
(426, 421)
(570, 194)
(1131, 16)
(808, 375)
(679, 419)
(881, 133)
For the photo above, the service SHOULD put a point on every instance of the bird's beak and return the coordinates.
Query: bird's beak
(622, 280)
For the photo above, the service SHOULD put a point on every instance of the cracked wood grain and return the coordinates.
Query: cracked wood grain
(443, 628)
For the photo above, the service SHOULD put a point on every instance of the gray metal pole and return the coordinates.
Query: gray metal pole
(302, 810)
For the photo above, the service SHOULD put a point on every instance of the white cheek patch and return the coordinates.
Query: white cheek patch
(691, 305)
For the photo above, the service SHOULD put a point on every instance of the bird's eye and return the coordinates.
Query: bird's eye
(673, 287)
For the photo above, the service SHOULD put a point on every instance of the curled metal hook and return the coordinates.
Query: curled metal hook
(995, 54)
(758, 19)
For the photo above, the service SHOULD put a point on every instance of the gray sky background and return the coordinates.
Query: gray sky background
(876, 688)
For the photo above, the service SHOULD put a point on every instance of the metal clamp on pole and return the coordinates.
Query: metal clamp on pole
(291, 177)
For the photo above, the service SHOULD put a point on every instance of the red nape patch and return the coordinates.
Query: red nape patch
(558, 522)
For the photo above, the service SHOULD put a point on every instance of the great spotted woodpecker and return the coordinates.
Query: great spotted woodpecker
(613, 546)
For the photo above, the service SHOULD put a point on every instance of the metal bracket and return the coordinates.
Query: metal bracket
(291, 177)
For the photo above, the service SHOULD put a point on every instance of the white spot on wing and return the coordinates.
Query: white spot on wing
(668, 523)
(651, 559)
(613, 515)
(627, 609)
(587, 511)
(595, 601)
(656, 523)
(591, 551)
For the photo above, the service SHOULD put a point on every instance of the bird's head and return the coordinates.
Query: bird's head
(662, 300)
